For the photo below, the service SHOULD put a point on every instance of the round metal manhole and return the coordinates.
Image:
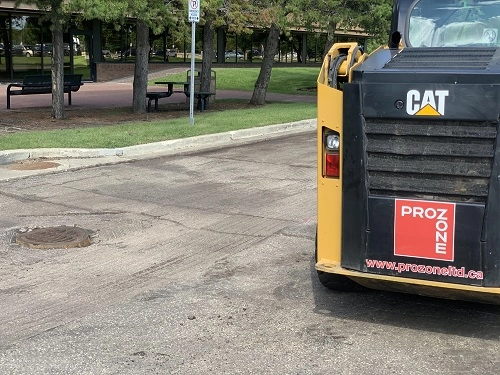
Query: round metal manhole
(62, 237)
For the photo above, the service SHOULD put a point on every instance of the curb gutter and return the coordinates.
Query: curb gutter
(74, 158)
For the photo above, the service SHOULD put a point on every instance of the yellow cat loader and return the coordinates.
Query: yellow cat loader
(409, 156)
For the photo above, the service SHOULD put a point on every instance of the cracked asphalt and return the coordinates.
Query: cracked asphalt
(202, 262)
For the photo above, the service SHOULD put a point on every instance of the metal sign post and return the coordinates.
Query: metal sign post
(193, 17)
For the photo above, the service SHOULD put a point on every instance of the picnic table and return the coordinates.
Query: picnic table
(202, 96)
(156, 95)
(170, 85)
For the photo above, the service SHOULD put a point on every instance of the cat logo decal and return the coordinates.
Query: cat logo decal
(428, 103)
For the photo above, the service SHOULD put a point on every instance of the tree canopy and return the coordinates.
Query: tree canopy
(372, 16)
(155, 15)
(238, 16)
(58, 16)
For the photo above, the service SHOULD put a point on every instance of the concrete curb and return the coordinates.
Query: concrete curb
(158, 148)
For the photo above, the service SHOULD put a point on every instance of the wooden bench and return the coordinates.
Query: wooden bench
(42, 84)
(155, 95)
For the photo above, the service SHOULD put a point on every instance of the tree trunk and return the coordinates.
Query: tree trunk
(140, 86)
(260, 89)
(57, 64)
(298, 50)
(208, 48)
(330, 37)
(7, 47)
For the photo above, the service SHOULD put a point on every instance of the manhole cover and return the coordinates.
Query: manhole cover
(62, 237)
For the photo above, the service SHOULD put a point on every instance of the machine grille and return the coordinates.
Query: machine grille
(442, 58)
(438, 160)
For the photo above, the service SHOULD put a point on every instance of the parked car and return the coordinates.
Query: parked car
(233, 55)
(170, 53)
(130, 52)
(286, 57)
(255, 53)
(67, 48)
(47, 49)
(22, 50)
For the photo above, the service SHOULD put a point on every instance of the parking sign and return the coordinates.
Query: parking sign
(194, 11)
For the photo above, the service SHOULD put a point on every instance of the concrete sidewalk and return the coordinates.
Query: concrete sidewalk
(109, 95)
(119, 94)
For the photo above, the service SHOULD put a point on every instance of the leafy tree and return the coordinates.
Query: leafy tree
(210, 20)
(5, 39)
(330, 15)
(234, 15)
(262, 83)
(275, 16)
(375, 19)
(372, 16)
(155, 15)
(58, 15)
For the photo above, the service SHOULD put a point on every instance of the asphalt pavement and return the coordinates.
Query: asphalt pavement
(202, 262)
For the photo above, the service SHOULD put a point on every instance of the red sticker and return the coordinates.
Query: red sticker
(424, 229)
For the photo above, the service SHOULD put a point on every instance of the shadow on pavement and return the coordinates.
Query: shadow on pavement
(419, 313)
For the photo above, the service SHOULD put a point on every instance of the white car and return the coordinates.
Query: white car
(232, 55)
(21, 50)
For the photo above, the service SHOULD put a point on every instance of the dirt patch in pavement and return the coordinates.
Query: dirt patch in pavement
(32, 119)
(32, 165)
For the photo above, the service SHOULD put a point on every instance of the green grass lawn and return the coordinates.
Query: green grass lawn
(133, 133)
(284, 80)
(287, 80)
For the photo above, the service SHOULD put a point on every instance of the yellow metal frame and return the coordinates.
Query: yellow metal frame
(329, 189)
(329, 208)
(330, 117)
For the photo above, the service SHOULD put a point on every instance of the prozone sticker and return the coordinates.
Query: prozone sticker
(424, 229)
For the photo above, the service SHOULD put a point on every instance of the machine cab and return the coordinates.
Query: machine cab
(447, 23)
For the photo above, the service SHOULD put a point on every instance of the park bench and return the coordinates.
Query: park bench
(42, 84)
(202, 96)
(155, 95)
